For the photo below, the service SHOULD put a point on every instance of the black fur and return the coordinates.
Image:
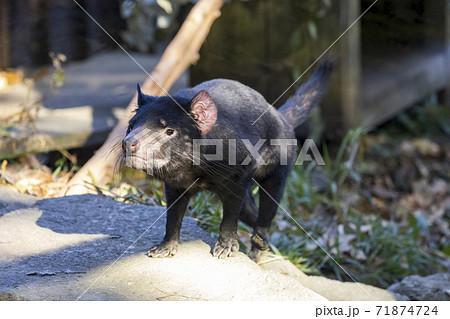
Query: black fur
(296, 109)
(232, 108)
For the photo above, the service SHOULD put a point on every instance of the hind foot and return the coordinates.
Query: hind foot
(259, 245)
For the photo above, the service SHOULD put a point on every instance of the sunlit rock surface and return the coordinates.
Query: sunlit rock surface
(91, 247)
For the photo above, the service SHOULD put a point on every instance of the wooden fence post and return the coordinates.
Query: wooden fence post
(4, 35)
(447, 50)
(350, 63)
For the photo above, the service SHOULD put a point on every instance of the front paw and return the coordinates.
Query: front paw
(226, 247)
(165, 249)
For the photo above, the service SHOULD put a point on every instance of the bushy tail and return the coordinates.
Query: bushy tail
(297, 107)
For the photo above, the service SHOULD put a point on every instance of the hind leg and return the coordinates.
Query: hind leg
(249, 210)
(270, 194)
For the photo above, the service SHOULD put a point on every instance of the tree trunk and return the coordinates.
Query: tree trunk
(179, 55)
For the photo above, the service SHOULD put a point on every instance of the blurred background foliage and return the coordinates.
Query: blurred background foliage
(150, 21)
(381, 204)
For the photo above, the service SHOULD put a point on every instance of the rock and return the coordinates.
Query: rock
(331, 289)
(193, 274)
(93, 248)
(11, 200)
(431, 288)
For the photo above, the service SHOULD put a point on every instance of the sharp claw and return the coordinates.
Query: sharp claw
(165, 249)
(225, 248)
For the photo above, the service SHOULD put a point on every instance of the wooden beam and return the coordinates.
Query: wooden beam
(395, 86)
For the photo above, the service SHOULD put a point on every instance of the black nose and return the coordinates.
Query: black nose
(130, 144)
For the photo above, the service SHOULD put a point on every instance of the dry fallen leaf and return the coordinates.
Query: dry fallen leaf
(360, 255)
(31, 181)
(426, 147)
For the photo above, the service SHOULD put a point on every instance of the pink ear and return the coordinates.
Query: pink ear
(204, 111)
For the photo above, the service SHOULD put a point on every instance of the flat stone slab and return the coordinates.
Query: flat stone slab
(193, 274)
(85, 109)
(93, 248)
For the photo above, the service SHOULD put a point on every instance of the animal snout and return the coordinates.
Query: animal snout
(130, 144)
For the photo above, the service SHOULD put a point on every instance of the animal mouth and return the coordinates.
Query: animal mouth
(138, 158)
(139, 162)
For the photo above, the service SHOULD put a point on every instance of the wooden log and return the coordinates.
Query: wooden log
(180, 54)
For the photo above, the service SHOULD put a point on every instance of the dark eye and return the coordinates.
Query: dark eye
(169, 132)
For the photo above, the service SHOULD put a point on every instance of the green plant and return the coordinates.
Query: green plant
(423, 120)
(393, 251)
(61, 165)
(207, 210)
(309, 185)
(370, 249)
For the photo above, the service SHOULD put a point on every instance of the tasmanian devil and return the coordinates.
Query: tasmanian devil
(224, 137)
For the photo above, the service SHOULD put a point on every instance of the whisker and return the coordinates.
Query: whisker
(213, 172)
(115, 149)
